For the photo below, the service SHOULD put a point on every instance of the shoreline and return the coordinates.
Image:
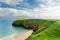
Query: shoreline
(8, 36)
(22, 36)
(17, 36)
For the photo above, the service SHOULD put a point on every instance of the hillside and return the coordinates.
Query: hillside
(43, 29)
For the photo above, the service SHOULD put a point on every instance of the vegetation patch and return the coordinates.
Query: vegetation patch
(43, 29)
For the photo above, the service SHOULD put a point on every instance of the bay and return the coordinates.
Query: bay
(6, 28)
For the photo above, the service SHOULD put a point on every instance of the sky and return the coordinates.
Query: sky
(41, 9)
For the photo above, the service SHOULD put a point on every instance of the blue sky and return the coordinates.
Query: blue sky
(30, 4)
(30, 8)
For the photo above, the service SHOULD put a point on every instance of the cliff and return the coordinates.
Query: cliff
(34, 24)
(43, 29)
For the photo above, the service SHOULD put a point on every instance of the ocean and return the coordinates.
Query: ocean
(6, 28)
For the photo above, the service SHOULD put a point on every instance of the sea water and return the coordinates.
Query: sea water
(6, 28)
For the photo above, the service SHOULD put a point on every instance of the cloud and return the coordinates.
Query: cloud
(14, 13)
(11, 2)
(49, 3)
(48, 13)
(19, 4)
(30, 4)
(45, 12)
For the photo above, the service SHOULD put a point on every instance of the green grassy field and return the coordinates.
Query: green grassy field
(43, 29)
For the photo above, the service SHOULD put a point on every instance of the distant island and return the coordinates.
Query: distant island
(43, 29)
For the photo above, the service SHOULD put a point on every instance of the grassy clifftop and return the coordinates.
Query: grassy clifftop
(43, 29)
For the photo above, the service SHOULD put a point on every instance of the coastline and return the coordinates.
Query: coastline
(22, 36)
(7, 37)
(17, 36)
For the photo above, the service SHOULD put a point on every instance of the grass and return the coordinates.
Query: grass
(47, 29)
(51, 33)
(21, 19)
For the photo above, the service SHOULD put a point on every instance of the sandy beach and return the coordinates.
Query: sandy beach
(23, 36)
(20, 36)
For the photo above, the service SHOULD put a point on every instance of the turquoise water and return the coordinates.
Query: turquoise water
(7, 29)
